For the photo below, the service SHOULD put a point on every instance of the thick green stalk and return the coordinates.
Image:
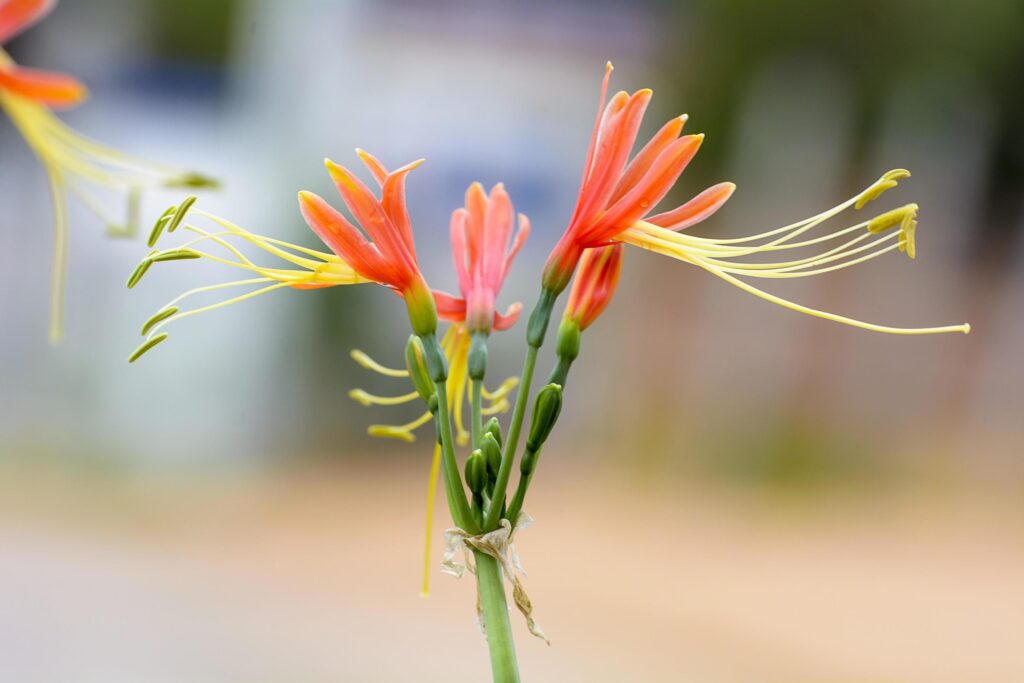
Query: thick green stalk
(452, 479)
(496, 620)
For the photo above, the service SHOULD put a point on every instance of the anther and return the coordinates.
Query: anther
(886, 182)
(146, 346)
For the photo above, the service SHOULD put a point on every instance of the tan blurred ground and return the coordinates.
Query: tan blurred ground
(313, 576)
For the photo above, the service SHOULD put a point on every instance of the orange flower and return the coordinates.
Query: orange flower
(614, 194)
(44, 87)
(389, 256)
(480, 234)
(595, 283)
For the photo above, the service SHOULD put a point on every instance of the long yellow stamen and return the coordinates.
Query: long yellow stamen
(435, 467)
(719, 257)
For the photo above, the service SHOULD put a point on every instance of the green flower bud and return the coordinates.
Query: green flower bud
(494, 428)
(545, 414)
(568, 343)
(477, 360)
(492, 453)
(476, 472)
(416, 364)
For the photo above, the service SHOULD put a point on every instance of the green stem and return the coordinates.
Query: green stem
(452, 480)
(508, 453)
(476, 410)
(535, 331)
(495, 615)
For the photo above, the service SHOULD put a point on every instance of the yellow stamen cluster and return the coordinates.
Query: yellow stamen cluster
(77, 165)
(221, 244)
(455, 343)
(725, 257)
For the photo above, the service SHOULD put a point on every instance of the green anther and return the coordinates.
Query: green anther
(159, 226)
(476, 472)
(886, 182)
(139, 271)
(545, 413)
(492, 453)
(416, 364)
(176, 255)
(146, 346)
(494, 428)
(160, 315)
(179, 214)
(193, 180)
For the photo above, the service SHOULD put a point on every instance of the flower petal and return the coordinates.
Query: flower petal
(343, 238)
(393, 201)
(46, 87)
(18, 15)
(640, 164)
(697, 209)
(508, 319)
(449, 307)
(458, 238)
(498, 228)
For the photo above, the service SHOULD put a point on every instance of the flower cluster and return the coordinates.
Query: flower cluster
(618, 195)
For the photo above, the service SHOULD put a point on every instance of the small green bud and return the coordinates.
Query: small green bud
(545, 414)
(492, 453)
(494, 428)
(529, 462)
(568, 344)
(416, 364)
(537, 325)
(476, 472)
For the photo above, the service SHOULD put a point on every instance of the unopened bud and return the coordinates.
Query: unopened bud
(476, 472)
(545, 414)
(416, 364)
(568, 343)
(493, 427)
(492, 453)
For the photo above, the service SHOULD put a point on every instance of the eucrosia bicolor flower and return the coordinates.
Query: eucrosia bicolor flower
(480, 233)
(73, 163)
(594, 285)
(617, 194)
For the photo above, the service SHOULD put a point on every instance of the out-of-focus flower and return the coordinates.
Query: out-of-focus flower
(73, 163)
(455, 343)
(615, 197)
(480, 234)
(595, 283)
(389, 260)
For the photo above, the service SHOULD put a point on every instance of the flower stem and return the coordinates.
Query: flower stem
(496, 621)
(476, 410)
(536, 329)
(452, 479)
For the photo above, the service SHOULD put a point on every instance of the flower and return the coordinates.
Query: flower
(73, 163)
(615, 198)
(614, 195)
(594, 285)
(480, 234)
(390, 259)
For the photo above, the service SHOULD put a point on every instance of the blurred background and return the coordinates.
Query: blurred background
(735, 492)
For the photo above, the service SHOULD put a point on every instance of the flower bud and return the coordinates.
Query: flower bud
(493, 427)
(568, 344)
(416, 363)
(492, 453)
(545, 414)
(476, 472)
(477, 361)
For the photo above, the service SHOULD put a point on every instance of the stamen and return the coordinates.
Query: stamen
(160, 315)
(435, 467)
(364, 360)
(368, 399)
(146, 346)
(403, 432)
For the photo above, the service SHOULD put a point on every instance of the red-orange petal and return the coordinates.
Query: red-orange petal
(393, 202)
(503, 321)
(46, 87)
(343, 238)
(638, 167)
(376, 168)
(18, 15)
(449, 307)
(696, 210)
